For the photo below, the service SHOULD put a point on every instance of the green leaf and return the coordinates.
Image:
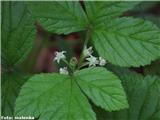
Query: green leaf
(102, 87)
(53, 97)
(151, 105)
(98, 12)
(128, 41)
(11, 84)
(59, 17)
(143, 97)
(17, 32)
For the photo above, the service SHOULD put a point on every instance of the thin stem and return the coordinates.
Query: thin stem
(84, 46)
(83, 65)
(65, 61)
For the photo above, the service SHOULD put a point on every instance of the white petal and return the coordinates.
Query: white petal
(92, 60)
(59, 56)
(87, 51)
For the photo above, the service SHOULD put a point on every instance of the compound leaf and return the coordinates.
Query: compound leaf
(53, 97)
(11, 84)
(143, 96)
(98, 12)
(17, 32)
(59, 17)
(128, 41)
(102, 87)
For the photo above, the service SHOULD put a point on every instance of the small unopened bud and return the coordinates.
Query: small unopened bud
(73, 61)
(102, 61)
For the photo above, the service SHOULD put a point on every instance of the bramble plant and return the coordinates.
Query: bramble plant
(100, 79)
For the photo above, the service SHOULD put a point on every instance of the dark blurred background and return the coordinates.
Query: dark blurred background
(42, 54)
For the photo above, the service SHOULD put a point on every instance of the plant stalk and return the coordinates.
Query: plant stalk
(84, 46)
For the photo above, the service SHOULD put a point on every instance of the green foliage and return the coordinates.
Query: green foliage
(18, 32)
(102, 87)
(123, 41)
(119, 40)
(53, 97)
(143, 97)
(11, 84)
(98, 12)
(128, 41)
(59, 17)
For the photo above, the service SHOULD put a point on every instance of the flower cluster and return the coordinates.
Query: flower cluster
(87, 53)
(93, 61)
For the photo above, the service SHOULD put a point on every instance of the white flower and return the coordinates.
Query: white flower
(92, 60)
(102, 61)
(59, 56)
(87, 52)
(63, 71)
